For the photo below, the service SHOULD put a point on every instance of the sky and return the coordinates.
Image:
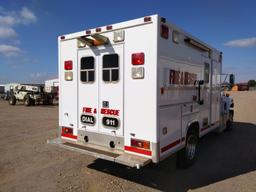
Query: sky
(29, 30)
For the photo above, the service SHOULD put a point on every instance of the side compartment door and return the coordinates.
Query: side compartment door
(215, 103)
(206, 108)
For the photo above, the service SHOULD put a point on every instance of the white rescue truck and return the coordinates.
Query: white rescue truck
(138, 91)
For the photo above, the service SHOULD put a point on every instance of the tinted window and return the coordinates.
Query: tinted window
(110, 61)
(87, 63)
(87, 73)
(110, 68)
(115, 75)
(106, 75)
(83, 76)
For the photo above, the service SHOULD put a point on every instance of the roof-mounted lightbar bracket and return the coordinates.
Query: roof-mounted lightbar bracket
(86, 41)
(92, 40)
(100, 38)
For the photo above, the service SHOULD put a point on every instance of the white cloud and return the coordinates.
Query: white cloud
(37, 75)
(248, 42)
(7, 20)
(9, 50)
(27, 16)
(6, 32)
(11, 18)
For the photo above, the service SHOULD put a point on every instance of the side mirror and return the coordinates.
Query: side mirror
(232, 79)
(201, 82)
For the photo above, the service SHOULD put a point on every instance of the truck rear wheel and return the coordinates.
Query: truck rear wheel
(27, 100)
(12, 100)
(188, 154)
(50, 101)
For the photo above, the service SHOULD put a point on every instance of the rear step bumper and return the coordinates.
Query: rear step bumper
(116, 156)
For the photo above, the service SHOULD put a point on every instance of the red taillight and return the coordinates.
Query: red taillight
(98, 29)
(138, 58)
(140, 144)
(67, 130)
(88, 32)
(68, 65)
(164, 31)
(109, 27)
(147, 19)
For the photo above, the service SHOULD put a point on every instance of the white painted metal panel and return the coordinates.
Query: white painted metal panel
(170, 128)
(68, 89)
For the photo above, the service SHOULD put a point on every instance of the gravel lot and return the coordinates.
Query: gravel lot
(227, 162)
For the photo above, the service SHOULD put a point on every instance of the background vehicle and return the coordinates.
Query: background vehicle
(52, 87)
(137, 92)
(29, 95)
(2, 91)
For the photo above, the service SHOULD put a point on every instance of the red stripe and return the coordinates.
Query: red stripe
(137, 150)
(165, 148)
(69, 135)
(204, 128)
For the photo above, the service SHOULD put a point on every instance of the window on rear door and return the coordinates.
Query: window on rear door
(87, 70)
(110, 68)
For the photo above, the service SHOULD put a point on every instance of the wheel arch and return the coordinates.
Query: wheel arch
(194, 124)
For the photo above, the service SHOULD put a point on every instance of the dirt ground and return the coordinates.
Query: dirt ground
(227, 162)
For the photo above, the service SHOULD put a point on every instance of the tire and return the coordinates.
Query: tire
(187, 156)
(27, 100)
(12, 100)
(33, 102)
(50, 101)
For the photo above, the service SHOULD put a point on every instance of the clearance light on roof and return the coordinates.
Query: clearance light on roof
(88, 32)
(164, 32)
(62, 37)
(147, 19)
(109, 27)
(98, 29)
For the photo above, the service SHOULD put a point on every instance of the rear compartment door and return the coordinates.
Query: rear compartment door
(100, 89)
(111, 91)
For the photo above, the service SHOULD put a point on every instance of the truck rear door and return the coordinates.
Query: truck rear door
(100, 89)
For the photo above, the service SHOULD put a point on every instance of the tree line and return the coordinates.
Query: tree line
(252, 83)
